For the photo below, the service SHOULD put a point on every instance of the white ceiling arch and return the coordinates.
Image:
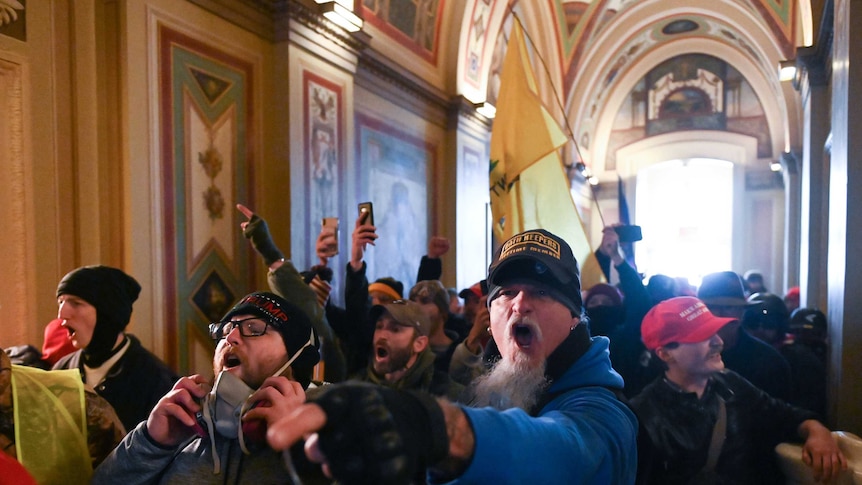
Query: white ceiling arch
(774, 108)
(735, 34)
(731, 30)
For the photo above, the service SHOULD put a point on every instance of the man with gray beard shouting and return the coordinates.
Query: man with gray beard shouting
(547, 412)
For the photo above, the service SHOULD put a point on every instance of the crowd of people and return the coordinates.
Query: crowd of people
(522, 377)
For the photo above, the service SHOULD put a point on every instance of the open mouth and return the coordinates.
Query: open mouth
(381, 352)
(523, 335)
(231, 361)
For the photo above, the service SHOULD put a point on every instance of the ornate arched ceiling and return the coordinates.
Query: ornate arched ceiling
(597, 51)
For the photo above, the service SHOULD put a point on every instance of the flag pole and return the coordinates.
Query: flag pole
(571, 134)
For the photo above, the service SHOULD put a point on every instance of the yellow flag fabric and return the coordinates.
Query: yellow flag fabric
(51, 425)
(529, 188)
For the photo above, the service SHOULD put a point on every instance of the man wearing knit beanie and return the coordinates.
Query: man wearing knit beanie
(212, 431)
(95, 306)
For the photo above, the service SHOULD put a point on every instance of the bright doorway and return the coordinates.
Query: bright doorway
(685, 208)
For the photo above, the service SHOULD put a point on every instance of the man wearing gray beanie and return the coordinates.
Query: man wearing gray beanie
(95, 306)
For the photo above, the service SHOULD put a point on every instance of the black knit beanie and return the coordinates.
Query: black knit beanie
(291, 322)
(112, 292)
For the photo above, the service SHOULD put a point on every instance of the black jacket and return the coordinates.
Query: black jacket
(679, 427)
(133, 385)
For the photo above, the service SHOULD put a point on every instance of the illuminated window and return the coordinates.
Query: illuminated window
(685, 208)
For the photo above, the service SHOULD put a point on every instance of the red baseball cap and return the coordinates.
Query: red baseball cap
(683, 319)
(475, 290)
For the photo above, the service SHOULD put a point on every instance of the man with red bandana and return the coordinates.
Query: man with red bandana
(547, 412)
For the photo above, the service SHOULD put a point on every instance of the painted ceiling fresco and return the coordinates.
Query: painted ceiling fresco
(580, 23)
(414, 24)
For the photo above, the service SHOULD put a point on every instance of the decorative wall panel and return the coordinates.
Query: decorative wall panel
(206, 123)
(324, 150)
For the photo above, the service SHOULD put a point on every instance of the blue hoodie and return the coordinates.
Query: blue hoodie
(584, 435)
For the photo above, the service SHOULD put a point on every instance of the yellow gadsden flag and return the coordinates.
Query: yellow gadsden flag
(529, 187)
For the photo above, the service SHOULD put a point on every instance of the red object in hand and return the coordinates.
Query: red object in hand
(254, 430)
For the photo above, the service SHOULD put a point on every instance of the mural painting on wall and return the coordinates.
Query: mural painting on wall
(412, 23)
(686, 93)
(780, 15)
(323, 148)
(207, 154)
(397, 167)
(13, 19)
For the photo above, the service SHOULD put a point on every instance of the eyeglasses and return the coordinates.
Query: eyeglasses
(248, 327)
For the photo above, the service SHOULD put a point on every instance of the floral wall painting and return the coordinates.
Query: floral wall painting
(206, 123)
(210, 181)
(397, 166)
(414, 24)
(323, 149)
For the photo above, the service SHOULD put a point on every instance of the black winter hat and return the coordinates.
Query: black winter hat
(288, 319)
(108, 289)
(112, 292)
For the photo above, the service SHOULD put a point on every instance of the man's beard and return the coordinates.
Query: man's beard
(397, 360)
(510, 384)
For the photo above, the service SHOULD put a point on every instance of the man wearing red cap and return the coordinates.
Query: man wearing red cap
(471, 297)
(706, 424)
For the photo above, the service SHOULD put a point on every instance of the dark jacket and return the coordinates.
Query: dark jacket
(760, 364)
(679, 427)
(808, 377)
(422, 376)
(133, 385)
(353, 329)
(629, 356)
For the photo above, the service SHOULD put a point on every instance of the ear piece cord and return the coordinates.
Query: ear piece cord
(211, 432)
(248, 405)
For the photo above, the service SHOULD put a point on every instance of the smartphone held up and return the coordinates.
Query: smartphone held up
(366, 213)
(629, 233)
(330, 228)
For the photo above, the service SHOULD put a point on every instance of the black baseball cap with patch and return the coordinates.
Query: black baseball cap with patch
(541, 257)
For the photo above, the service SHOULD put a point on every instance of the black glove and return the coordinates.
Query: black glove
(258, 232)
(374, 434)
